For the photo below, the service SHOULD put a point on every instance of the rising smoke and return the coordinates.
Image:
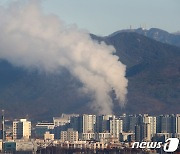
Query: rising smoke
(31, 39)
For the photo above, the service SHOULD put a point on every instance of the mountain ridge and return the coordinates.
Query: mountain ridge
(153, 71)
(156, 34)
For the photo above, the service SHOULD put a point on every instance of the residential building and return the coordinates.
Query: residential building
(87, 123)
(21, 129)
(152, 121)
(166, 124)
(69, 135)
(143, 132)
(116, 127)
(178, 123)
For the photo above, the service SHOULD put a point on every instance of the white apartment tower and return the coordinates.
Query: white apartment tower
(178, 124)
(116, 127)
(152, 121)
(177, 133)
(88, 123)
(21, 129)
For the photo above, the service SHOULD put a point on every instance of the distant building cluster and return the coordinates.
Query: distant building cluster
(89, 131)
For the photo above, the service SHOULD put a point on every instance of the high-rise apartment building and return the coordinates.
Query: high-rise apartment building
(178, 123)
(21, 129)
(116, 127)
(152, 121)
(166, 124)
(126, 122)
(102, 123)
(87, 123)
(142, 132)
(177, 134)
(134, 120)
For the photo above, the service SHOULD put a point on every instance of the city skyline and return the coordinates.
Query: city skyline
(87, 131)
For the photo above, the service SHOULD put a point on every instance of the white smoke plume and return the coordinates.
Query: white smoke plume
(31, 39)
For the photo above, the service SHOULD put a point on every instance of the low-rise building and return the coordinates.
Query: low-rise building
(26, 146)
(97, 145)
(86, 136)
(69, 135)
(127, 137)
(48, 136)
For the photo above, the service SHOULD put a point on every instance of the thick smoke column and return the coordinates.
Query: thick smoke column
(32, 39)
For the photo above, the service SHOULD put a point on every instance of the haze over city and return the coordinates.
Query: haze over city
(89, 76)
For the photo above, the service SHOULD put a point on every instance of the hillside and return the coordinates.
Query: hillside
(153, 73)
(36, 94)
(153, 70)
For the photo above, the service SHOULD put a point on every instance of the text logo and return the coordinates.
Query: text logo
(171, 145)
(149, 145)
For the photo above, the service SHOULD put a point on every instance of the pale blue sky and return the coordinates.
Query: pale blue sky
(103, 17)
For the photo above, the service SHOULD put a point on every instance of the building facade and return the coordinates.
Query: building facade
(152, 121)
(21, 129)
(69, 135)
(87, 123)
